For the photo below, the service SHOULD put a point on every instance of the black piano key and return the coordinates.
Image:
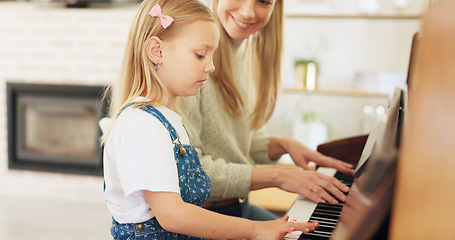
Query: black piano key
(327, 214)
(324, 219)
(324, 216)
(323, 229)
(321, 233)
(344, 176)
(313, 236)
(339, 205)
(327, 225)
(327, 210)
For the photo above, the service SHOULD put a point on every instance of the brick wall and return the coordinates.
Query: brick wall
(47, 43)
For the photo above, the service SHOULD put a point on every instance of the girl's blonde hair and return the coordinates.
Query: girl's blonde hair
(267, 44)
(138, 76)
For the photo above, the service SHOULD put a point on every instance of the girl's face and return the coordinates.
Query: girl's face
(241, 18)
(187, 59)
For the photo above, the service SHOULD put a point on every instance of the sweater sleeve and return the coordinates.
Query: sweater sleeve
(229, 180)
(260, 146)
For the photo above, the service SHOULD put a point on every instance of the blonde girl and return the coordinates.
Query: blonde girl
(154, 183)
(226, 126)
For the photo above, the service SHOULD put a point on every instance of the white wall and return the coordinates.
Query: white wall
(346, 46)
(366, 54)
(345, 49)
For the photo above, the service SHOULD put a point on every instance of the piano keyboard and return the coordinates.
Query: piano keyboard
(304, 210)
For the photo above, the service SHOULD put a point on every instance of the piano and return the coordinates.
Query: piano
(376, 164)
(403, 187)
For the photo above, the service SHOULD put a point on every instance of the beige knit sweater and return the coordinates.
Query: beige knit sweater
(228, 149)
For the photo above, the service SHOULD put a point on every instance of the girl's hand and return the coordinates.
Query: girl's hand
(277, 229)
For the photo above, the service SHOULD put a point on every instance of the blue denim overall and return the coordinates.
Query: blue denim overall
(194, 183)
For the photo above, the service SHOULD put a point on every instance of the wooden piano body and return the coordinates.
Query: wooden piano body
(366, 210)
(409, 194)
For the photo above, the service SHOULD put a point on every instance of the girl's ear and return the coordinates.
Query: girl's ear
(153, 49)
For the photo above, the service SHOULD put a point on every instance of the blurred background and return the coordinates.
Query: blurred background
(341, 61)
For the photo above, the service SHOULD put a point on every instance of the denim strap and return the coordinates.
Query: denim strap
(163, 120)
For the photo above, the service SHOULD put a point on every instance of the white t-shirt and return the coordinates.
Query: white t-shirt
(138, 155)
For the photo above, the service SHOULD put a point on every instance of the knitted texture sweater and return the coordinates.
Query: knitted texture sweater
(228, 149)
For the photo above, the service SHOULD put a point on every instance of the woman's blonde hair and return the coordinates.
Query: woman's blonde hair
(138, 76)
(267, 44)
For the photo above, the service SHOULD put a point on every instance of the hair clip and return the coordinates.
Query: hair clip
(165, 19)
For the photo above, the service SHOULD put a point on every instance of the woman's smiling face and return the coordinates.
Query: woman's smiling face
(241, 18)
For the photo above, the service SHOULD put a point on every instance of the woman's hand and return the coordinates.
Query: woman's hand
(311, 184)
(277, 229)
(302, 155)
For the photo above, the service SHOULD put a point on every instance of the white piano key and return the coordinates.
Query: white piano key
(327, 171)
(303, 207)
(300, 211)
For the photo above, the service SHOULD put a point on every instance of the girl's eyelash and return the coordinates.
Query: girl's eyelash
(264, 2)
(200, 56)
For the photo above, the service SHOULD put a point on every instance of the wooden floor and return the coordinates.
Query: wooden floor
(25, 218)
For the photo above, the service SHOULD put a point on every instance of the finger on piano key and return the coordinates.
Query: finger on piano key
(303, 209)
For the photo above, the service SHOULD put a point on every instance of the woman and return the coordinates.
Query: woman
(225, 120)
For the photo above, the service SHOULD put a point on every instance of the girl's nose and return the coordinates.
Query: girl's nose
(247, 9)
(210, 67)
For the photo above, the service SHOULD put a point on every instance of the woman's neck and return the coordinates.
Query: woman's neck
(235, 44)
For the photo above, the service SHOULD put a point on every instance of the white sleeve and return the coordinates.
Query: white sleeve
(145, 157)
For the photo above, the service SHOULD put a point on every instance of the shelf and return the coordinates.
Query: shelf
(363, 16)
(341, 92)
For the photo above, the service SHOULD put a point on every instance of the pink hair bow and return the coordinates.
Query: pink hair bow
(165, 20)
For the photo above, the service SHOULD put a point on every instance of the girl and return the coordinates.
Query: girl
(155, 185)
(233, 107)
